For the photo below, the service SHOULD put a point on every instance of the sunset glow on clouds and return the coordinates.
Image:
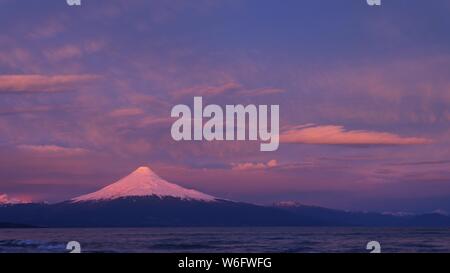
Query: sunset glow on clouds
(337, 135)
(86, 94)
(41, 83)
(52, 149)
(5, 199)
(255, 166)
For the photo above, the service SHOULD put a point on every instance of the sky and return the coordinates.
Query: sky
(364, 94)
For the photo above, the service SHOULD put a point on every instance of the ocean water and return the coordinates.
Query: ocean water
(226, 240)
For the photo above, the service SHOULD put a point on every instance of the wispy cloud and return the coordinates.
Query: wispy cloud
(47, 29)
(42, 83)
(72, 51)
(338, 135)
(231, 87)
(261, 92)
(421, 163)
(15, 57)
(53, 150)
(27, 110)
(254, 166)
(126, 112)
(63, 53)
(206, 90)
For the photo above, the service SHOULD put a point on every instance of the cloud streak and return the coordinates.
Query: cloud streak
(126, 112)
(207, 90)
(53, 150)
(338, 135)
(254, 166)
(261, 92)
(42, 83)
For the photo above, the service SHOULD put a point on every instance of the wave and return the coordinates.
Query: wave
(31, 246)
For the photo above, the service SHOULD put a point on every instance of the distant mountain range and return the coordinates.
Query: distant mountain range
(143, 199)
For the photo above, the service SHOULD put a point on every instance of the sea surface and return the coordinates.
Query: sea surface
(225, 240)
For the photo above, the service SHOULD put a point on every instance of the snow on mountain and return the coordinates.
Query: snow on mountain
(287, 204)
(144, 182)
(5, 200)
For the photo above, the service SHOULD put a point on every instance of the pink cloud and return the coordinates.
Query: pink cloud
(94, 46)
(5, 199)
(47, 30)
(15, 57)
(337, 135)
(136, 98)
(63, 53)
(254, 166)
(72, 51)
(53, 150)
(390, 81)
(261, 92)
(152, 120)
(206, 90)
(232, 86)
(42, 83)
(126, 112)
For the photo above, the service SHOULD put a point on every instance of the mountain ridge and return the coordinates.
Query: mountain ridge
(143, 199)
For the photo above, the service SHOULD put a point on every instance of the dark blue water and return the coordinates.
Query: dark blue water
(224, 240)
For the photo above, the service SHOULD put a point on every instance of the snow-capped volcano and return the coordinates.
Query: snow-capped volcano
(143, 182)
(6, 200)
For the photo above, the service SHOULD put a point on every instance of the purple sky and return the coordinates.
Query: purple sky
(364, 95)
